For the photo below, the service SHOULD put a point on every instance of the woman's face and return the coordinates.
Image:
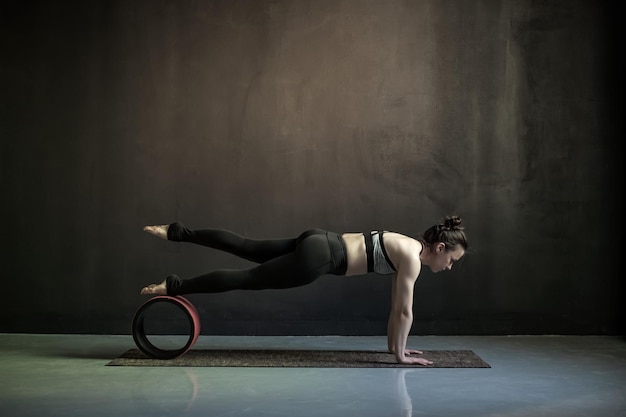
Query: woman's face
(443, 259)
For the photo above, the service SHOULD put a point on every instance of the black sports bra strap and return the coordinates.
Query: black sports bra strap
(382, 246)
(369, 250)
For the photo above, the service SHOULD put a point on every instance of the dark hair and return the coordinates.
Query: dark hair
(449, 232)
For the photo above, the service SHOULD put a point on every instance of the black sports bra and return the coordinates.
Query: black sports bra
(377, 259)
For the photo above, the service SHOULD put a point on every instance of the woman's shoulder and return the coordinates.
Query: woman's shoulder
(401, 237)
(403, 248)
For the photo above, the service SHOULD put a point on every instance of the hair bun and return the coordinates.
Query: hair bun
(452, 223)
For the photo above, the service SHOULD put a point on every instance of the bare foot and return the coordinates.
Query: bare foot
(159, 231)
(156, 289)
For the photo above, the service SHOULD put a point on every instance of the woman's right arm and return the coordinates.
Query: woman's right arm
(401, 315)
(390, 323)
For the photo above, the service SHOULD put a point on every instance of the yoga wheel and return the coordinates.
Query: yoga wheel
(139, 331)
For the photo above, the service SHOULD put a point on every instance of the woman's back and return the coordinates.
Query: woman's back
(396, 245)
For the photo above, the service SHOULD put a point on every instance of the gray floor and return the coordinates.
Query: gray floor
(65, 375)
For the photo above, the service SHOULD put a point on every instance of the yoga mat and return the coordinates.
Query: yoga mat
(301, 359)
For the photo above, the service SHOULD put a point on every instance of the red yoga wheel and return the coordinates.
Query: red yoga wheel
(139, 331)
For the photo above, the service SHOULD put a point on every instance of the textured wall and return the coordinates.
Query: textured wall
(269, 117)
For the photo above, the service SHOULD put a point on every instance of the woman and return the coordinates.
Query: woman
(288, 263)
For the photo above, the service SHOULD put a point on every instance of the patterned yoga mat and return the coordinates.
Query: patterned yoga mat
(301, 359)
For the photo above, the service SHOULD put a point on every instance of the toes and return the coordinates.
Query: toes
(159, 231)
(149, 289)
(158, 289)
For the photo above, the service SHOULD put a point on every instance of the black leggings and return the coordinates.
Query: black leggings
(284, 263)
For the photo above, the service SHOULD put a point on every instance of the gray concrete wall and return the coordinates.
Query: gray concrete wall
(270, 117)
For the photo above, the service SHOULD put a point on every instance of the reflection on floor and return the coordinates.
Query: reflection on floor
(65, 375)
